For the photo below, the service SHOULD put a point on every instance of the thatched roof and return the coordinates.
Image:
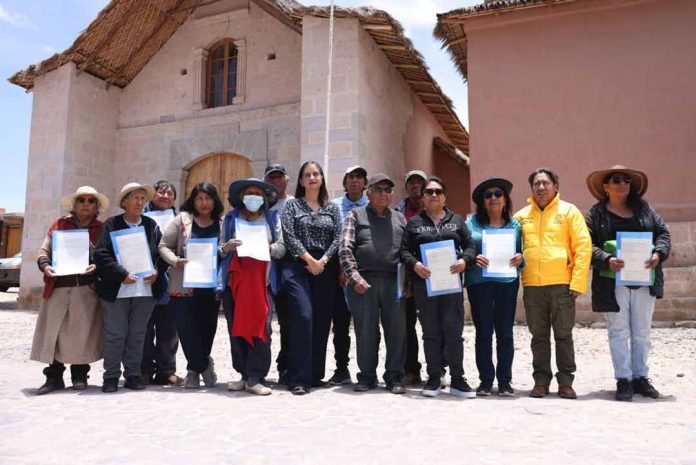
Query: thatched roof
(126, 34)
(450, 26)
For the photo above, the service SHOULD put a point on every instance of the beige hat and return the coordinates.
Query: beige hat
(594, 180)
(134, 186)
(68, 202)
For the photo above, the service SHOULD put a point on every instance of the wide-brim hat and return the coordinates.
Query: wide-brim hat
(504, 184)
(595, 180)
(68, 202)
(134, 186)
(237, 187)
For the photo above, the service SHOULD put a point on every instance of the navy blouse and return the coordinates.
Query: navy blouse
(305, 230)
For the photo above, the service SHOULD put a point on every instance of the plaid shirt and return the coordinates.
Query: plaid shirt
(349, 265)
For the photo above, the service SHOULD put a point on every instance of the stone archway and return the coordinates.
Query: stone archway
(220, 169)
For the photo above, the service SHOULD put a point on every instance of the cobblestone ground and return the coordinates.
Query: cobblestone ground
(338, 426)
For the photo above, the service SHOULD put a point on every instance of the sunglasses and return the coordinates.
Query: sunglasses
(433, 191)
(620, 179)
(89, 200)
(488, 194)
(382, 190)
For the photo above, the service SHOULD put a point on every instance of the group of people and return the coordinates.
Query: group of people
(354, 258)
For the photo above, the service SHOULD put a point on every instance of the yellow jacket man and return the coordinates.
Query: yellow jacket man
(557, 252)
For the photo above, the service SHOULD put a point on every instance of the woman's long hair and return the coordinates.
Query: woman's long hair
(633, 201)
(189, 205)
(300, 190)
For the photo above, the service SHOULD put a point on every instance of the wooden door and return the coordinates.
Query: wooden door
(220, 169)
(14, 240)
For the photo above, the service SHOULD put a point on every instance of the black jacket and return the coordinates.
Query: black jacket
(602, 229)
(421, 230)
(110, 274)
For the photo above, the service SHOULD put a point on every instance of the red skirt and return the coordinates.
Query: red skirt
(248, 286)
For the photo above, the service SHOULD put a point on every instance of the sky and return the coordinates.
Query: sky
(33, 30)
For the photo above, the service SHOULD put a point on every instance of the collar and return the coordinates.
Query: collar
(361, 202)
(551, 204)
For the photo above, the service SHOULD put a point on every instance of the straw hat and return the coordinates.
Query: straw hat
(134, 186)
(595, 180)
(504, 184)
(237, 187)
(68, 202)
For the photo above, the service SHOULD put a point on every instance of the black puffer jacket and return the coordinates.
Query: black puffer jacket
(602, 229)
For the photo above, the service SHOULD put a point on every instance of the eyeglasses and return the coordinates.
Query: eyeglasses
(433, 192)
(620, 179)
(488, 194)
(382, 190)
(89, 200)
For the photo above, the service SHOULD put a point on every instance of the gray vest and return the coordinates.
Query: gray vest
(377, 240)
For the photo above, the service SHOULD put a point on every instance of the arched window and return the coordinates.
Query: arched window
(222, 74)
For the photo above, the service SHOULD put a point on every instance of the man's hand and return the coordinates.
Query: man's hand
(361, 286)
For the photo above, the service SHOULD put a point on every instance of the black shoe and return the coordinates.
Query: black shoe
(299, 390)
(505, 390)
(460, 388)
(319, 384)
(110, 385)
(341, 376)
(624, 390)
(643, 386)
(80, 383)
(363, 387)
(396, 388)
(484, 389)
(51, 384)
(135, 383)
(432, 387)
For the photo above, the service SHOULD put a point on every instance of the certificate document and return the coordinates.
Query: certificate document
(498, 246)
(132, 252)
(438, 257)
(634, 248)
(161, 217)
(254, 237)
(201, 269)
(70, 251)
(138, 289)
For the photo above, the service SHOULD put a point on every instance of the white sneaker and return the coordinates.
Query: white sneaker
(193, 380)
(258, 389)
(236, 385)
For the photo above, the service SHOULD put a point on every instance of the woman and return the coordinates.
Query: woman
(628, 309)
(311, 229)
(244, 281)
(195, 310)
(126, 317)
(442, 316)
(69, 326)
(493, 299)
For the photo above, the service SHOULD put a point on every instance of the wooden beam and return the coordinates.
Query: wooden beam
(393, 47)
(165, 13)
(408, 66)
(456, 41)
(378, 27)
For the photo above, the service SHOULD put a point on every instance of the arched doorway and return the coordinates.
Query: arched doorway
(220, 169)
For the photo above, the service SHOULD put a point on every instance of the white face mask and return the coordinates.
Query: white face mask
(253, 202)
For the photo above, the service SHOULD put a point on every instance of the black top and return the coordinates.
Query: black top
(624, 224)
(377, 240)
(198, 232)
(307, 231)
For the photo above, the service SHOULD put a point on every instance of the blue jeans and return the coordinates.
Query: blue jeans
(630, 324)
(493, 307)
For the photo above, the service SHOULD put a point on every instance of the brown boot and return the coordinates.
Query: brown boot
(539, 391)
(566, 391)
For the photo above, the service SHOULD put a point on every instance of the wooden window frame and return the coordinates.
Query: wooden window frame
(203, 62)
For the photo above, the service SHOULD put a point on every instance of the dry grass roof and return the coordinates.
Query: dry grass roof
(450, 26)
(126, 34)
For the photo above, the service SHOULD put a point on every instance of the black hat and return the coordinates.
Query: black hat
(380, 177)
(275, 167)
(504, 184)
(237, 187)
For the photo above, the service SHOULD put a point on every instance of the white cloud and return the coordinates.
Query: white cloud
(16, 19)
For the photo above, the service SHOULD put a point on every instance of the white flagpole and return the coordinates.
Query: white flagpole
(328, 97)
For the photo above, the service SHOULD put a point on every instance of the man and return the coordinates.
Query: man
(277, 176)
(369, 255)
(410, 207)
(354, 184)
(557, 251)
(161, 340)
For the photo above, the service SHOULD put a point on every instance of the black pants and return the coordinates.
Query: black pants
(412, 364)
(161, 344)
(280, 302)
(196, 320)
(252, 361)
(310, 303)
(442, 320)
(55, 370)
(341, 331)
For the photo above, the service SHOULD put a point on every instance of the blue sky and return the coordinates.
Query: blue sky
(33, 30)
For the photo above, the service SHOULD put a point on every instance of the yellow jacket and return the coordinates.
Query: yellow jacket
(557, 245)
